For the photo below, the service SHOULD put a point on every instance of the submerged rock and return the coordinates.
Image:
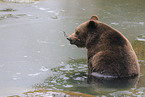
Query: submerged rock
(7, 10)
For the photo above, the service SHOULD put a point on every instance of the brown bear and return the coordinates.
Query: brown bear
(109, 52)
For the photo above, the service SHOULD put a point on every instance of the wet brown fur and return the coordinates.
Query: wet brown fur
(108, 51)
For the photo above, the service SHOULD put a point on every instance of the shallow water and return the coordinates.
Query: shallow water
(37, 60)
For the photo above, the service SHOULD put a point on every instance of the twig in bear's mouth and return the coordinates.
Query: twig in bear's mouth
(65, 34)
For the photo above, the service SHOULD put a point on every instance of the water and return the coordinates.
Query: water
(37, 60)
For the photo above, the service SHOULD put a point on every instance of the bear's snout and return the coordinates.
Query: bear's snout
(70, 40)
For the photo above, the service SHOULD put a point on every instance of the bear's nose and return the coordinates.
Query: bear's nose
(68, 38)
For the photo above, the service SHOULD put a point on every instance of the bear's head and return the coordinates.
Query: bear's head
(83, 31)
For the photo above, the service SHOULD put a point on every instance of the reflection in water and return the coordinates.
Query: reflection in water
(113, 82)
(72, 78)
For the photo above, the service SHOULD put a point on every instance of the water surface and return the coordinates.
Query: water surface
(36, 59)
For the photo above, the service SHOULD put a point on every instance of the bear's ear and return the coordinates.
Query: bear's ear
(94, 17)
(92, 24)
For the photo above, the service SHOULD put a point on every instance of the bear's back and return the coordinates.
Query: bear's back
(117, 57)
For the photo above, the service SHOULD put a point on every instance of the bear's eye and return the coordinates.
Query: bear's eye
(77, 33)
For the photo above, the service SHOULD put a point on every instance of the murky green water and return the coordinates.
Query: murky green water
(37, 60)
